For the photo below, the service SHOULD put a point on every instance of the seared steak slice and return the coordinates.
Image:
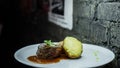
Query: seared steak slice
(49, 52)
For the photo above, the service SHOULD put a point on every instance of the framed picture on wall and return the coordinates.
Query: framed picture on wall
(60, 13)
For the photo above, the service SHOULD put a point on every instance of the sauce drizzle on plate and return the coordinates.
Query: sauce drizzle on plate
(35, 59)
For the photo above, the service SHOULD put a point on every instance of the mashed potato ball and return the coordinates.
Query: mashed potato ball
(73, 47)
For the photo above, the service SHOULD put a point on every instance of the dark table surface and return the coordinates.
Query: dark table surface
(7, 57)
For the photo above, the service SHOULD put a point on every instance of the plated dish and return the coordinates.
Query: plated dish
(92, 56)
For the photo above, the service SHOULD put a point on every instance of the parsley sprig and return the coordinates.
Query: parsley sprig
(48, 42)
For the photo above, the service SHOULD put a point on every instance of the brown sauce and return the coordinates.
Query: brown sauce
(46, 61)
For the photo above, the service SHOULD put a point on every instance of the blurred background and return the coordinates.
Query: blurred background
(22, 22)
(25, 22)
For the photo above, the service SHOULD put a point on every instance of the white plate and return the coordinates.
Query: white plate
(92, 56)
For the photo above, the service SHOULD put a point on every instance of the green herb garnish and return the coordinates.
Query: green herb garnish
(48, 42)
(96, 55)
